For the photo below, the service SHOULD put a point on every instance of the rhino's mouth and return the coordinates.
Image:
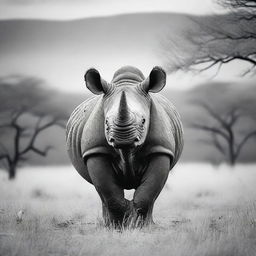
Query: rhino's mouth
(120, 136)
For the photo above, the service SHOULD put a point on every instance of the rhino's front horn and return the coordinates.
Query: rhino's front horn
(124, 115)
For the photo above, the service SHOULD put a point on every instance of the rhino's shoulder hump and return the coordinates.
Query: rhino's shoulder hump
(169, 108)
(166, 129)
(74, 131)
(81, 113)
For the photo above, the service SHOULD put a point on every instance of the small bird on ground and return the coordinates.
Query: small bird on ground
(19, 216)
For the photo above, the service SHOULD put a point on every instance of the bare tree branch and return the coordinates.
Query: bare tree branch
(41, 152)
(38, 129)
(212, 113)
(238, 4)
(220, 60)
(224, 129)
(219, 39)
(217, 143)
(4, 155)
(210, 129)
(17, 115)
(243, 142)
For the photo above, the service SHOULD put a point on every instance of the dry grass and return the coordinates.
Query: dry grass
(201, 211)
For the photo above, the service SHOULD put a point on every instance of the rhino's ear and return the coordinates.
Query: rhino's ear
(156, 80)
(94, 82)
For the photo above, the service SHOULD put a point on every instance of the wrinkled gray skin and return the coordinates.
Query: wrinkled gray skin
(127, 137)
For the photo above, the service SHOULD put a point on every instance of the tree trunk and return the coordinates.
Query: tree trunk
(232, 161)
(12, 172)
(232, 157)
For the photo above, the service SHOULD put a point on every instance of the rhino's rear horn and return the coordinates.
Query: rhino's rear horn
(94, 82)
(156, 80)
(123, 111)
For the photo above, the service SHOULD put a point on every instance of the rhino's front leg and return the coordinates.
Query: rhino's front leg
(114, 205)
(151, 185)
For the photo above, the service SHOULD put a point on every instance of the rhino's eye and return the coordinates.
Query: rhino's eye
(143, 120)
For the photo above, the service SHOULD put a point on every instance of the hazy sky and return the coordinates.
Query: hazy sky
(69, 9)
(64, 62)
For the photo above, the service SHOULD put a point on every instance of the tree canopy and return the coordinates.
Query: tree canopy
(27, 108)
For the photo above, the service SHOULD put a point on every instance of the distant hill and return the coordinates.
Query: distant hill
(60, 51)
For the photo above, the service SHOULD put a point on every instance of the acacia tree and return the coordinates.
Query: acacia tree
(223, 131)
(26, 111)
(219, 39)
(247, 6)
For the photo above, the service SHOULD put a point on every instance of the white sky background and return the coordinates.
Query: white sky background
(71, 9)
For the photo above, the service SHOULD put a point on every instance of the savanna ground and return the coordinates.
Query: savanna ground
(201, 211)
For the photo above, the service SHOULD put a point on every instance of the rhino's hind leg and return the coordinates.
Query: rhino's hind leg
(114, 205)
(151, 185)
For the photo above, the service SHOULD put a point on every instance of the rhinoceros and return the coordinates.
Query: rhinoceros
(125, 137)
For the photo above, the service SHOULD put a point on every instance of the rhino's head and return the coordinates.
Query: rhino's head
(126, 103)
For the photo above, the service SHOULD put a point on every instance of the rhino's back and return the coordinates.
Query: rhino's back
(165, 132)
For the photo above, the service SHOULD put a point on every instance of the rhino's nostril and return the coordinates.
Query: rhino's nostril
(137, 139)
(111, 139)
